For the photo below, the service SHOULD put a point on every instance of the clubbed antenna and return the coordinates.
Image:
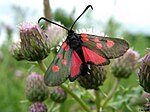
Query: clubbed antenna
(89, 6)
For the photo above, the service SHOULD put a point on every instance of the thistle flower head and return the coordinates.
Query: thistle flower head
(144, 73)
(123, 66)
(55, 35)
(58, 95)
(16, 51)
(92, 76)
(34, 44)
(38, 107)
(36, 90)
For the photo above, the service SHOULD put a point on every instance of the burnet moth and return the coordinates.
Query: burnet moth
(79, 50)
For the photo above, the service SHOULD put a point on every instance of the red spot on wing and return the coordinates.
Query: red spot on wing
(91, 56)
(60, 56)
(96, 39)
(110, 43)
(67, 48)
(84, 37)
(99, 45)
(64, 61)
(64, 45)
(75, 65)
(55, 68)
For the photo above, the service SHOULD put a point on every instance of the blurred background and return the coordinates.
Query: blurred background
(116, 18)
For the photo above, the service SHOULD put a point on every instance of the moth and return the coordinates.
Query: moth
(78, 50)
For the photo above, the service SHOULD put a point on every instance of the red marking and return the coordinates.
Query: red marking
(64, 61)
(91, 56)
(55, 68)
(67, 48)
(96, 39)
(60, 56)
(64, 45)
(84, 39)
(99, 45)
(110, 43)
(75, 65)
(84, 35)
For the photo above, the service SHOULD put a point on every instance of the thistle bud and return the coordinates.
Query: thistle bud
(34, 44)
(92, 77)
(36, 90)
(144, 73)
(38, 107)
(124, 66)
(58, 95)
(16, 51)
(55, 35)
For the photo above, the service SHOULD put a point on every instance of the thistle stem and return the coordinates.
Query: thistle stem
(111, 93)
(84, 106)
(42, 66)
(97, 100)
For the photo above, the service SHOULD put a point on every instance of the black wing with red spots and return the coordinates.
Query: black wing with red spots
(105, 46)
(59, 69)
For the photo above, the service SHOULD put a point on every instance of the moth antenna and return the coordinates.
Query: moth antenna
(89, 6)
(52, 23)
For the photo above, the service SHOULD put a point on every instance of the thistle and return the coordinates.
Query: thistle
(92, 77)
(55, 35)
(34, 44)
(124, 66)
(144, 73)
(38, 107)
(36, 90)
(16, 51)
(58, 95)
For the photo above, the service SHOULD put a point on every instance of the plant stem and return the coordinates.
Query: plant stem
(76, 98)
(42, 66)
(47, 9)
(97, 100)
(112, 91)
(84, 106)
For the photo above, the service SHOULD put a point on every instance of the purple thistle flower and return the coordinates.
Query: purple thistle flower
(144, 73)
(124, 66)
(34, 44)
(36, 90)
(38, 107)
